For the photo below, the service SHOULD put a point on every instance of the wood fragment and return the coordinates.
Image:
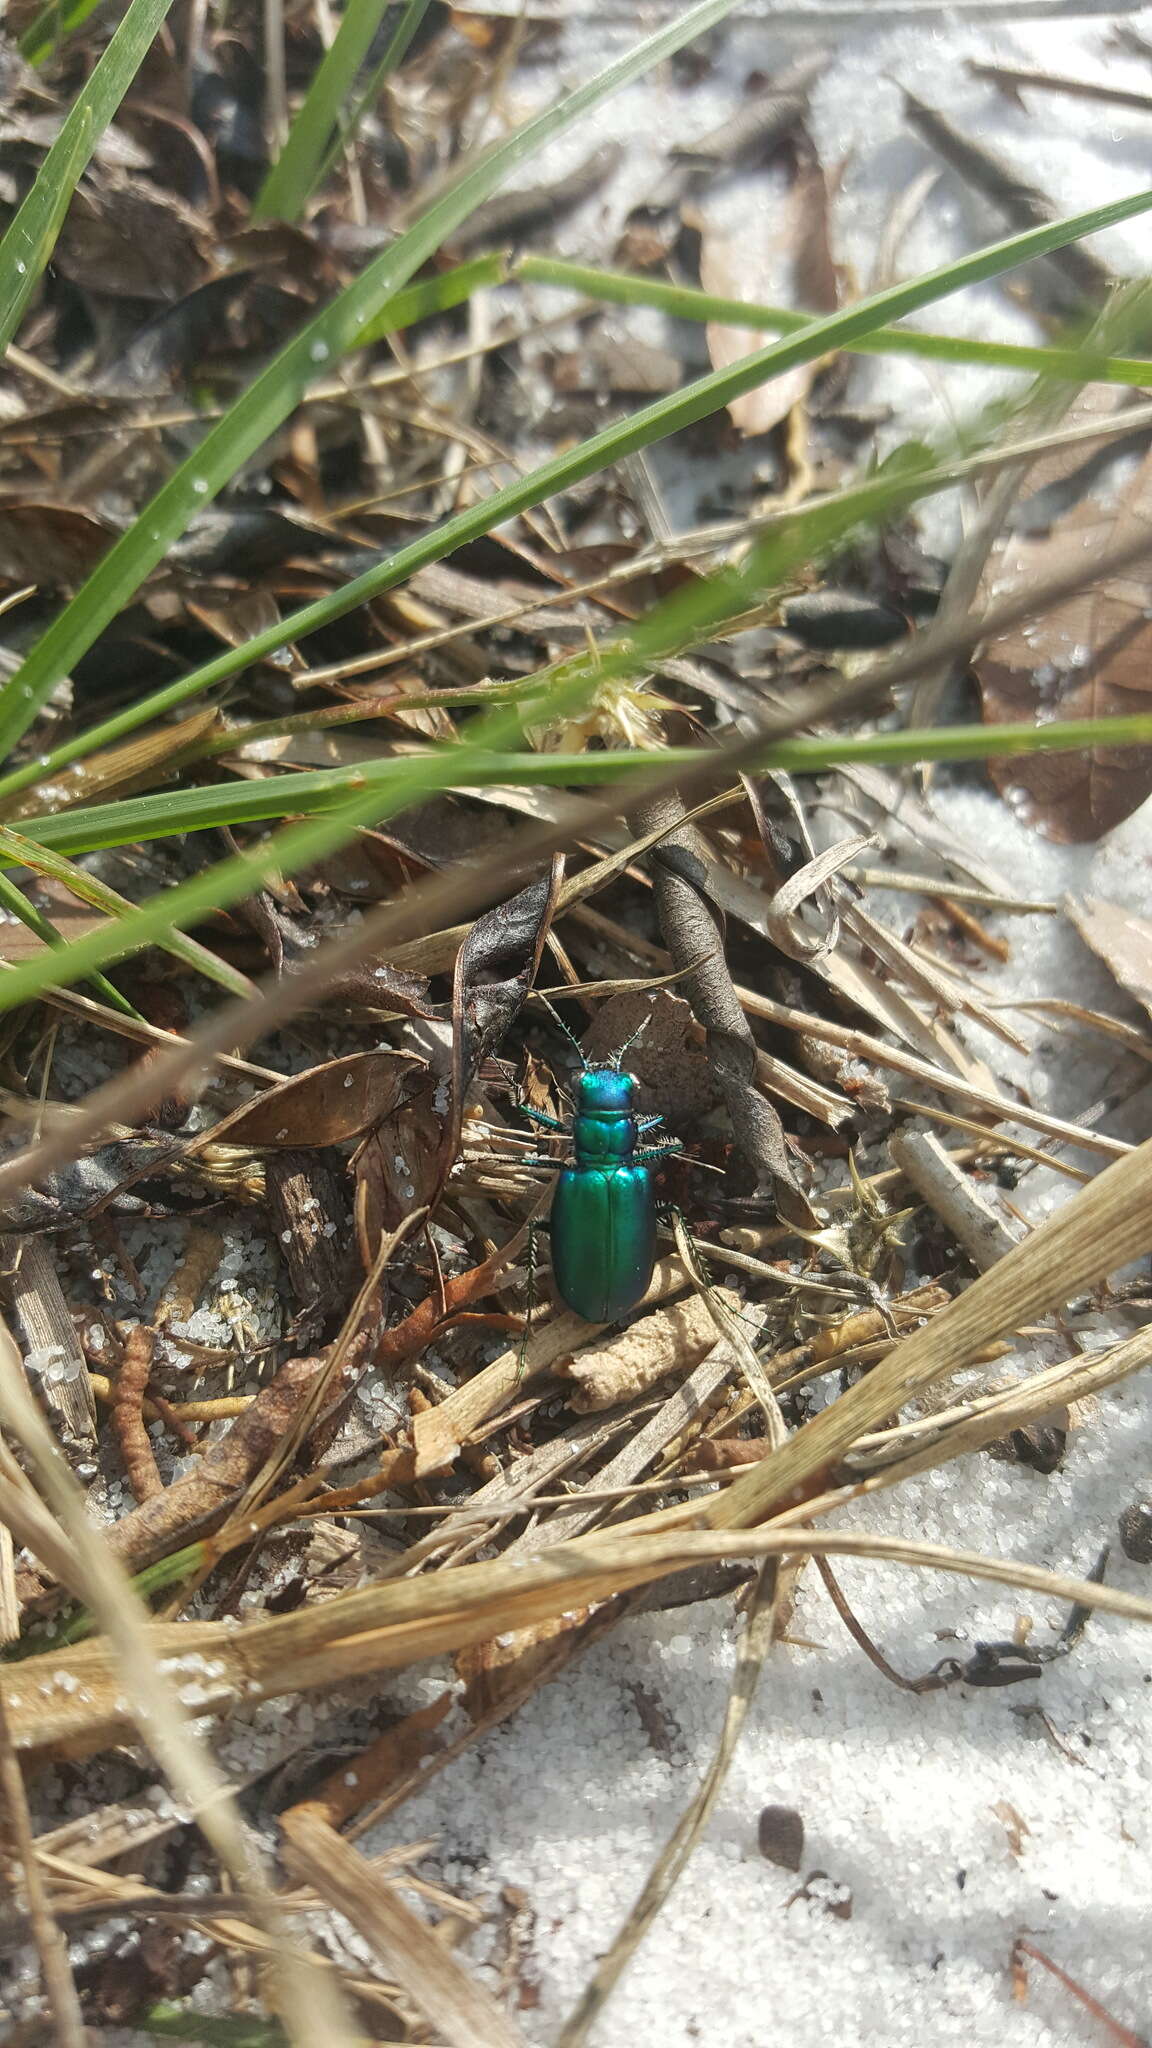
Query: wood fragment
(952, 1196)
(53, 1352)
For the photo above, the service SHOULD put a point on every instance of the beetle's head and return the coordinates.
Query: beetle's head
(601, 1090)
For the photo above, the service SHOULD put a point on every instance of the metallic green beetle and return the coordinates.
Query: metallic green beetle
(603, 1221)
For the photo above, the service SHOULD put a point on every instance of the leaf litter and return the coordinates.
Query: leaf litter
(496, 1501)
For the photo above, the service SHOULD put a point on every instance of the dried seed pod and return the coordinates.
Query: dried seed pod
(780, 1834)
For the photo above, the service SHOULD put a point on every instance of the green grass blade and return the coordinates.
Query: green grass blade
(302, 162)
(20, 851)
(411, 780)
(266, 403)
(31, 237)
(653, 422)
(393, 57)
(326, 789)
(683, 302)
(55, 21)
(17, 904)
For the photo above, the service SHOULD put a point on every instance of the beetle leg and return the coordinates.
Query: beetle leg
(550, 1123)
(661, 1151)
(541, 1159)
(648, 1123)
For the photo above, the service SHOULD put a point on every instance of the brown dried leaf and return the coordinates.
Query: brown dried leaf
(1088, 658)
(72, 920)
(53, 546)
(129, 239)
(398, 1167)
(780, 1834)
(325, 1106)
(1120, 938)
(792, 264)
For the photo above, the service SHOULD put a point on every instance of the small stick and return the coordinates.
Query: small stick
(951, 1195)
(68, 2030)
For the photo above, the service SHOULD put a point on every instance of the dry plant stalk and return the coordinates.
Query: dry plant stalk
(766, 1620)
(457, 2006)
(1104, 1226)
(128, 1414)
(70, 1703)
(312, 2009)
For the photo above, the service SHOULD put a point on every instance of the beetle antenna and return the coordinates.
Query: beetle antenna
(621, 1050)
(561, 1026)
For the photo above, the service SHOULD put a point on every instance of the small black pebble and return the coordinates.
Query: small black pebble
(781, 1836)
(1136, 1532)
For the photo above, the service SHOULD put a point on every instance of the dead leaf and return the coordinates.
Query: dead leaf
(1118, 937)
(495, 969)
(397, 1167)
(781, 257)
(53, 546)
(124, 238)
(324, 1106)
(780, 1835)
(117, 771)
(1088, 658)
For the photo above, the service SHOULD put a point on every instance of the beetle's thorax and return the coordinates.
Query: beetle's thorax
(604, 1127)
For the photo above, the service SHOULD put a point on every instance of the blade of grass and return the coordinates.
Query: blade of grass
(116, 578)
(303, 160)
(16, 903)
(437, 903)
(391, 60)
(323, 789)
(268, 400)
(683, 302)
(89, 889)
(31, 238)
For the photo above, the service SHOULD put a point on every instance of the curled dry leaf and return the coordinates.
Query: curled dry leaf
(1087, 658)
(495, 969)
(325, 1106)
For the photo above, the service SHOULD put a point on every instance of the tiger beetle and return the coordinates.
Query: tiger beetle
(603, 1220)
